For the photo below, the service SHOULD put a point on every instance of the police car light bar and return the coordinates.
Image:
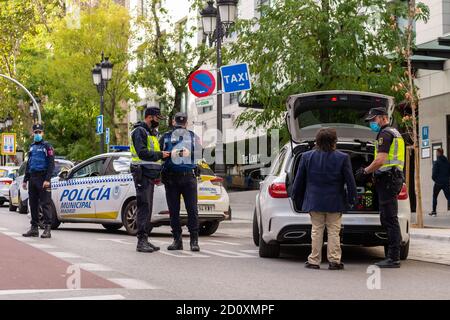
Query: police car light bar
(119, 148)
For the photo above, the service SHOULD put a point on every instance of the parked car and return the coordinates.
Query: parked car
(7, 176)
(279, 220)
(101, 190)
(18, 197)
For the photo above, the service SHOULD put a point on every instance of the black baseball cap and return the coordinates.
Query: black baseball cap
(38, 127)
(181, 117)
(380, 111)
(153, 111)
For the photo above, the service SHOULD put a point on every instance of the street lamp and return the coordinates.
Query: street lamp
(215, 24)
(101, 74)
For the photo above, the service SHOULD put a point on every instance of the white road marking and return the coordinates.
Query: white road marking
(225, 242)
(31, 291)
(108, 297)
(94, 267)
(183, 254)
(3, 229)
(250, 251)
(121, 241)
(228, 254)
(135, 284)
(12, 234)
(42, 246)
(23, 239)
(64, 254)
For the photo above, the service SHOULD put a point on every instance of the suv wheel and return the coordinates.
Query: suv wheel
(255, 229)
(404, 251)
(268, 250)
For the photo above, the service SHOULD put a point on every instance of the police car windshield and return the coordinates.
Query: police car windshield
(59, 166)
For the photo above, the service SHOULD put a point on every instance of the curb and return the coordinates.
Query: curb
(430, 237)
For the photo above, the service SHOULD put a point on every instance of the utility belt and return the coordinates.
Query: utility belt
(38, 173)
(178, 173)
(137, 171)
(392, 180)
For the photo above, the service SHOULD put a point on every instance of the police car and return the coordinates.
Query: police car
(101, 190)
(7, 175)
(278, 220)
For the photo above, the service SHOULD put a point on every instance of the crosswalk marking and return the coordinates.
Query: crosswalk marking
(94, 267)
(183, 254)
(105, 297)
(133, 284)
(225, 242)
(42, 246)
(228, 254)
(64, 254)
(12, 234)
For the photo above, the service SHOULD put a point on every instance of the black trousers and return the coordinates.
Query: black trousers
(388, 206)
(144, 198)
(436, 190)
(38, 196)
(181, 185)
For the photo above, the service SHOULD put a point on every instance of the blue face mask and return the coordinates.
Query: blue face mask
(375, 127)
(37, 137)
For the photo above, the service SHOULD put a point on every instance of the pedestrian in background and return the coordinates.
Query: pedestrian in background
(38, 173)
(440, 176)
(319, 189)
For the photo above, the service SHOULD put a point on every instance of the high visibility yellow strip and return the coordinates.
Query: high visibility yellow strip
(101, 215)
(208, 197)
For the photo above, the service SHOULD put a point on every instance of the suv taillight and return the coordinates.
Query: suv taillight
(278, 190)
(403, 195)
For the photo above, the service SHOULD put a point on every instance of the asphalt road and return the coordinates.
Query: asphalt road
(228, 267)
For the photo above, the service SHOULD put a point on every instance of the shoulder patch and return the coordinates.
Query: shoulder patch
(380, 141)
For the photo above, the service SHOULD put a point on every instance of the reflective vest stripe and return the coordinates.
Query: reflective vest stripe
(152, 145)
(396, 156)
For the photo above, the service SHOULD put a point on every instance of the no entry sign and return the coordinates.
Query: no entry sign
(202, 83)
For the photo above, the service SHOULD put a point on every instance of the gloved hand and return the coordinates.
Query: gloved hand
(360, 175)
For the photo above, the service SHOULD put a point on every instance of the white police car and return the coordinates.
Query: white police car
(101, 190)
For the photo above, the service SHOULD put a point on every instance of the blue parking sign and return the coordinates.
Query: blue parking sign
(99, 125)
(235, 78)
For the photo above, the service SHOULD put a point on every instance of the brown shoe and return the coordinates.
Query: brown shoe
(335, 266)
(311, 266)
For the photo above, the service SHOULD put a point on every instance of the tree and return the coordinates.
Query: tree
(59, 64)
(405, 85)
(306, 45)
(168, 56)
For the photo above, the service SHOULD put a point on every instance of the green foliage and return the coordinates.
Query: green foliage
(306, 45)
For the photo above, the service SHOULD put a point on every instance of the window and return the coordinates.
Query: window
(118, 165)
(260, 6)
(206, 109)
(93, 169)
(278, 163)
(234, 97)
(60, 166)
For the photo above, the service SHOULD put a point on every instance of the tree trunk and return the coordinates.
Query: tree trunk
(324, 40)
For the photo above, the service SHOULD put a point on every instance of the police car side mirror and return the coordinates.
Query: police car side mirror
(63, 175)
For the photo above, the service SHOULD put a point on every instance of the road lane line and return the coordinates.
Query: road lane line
(133, 284)
(228, 254)
(3, 229)
(12, 234)
(225, 242)
(121, 241)
(23, 239)
(31, 291)
(184, 254)
(94, 267)
(106, 297)
(42, 246)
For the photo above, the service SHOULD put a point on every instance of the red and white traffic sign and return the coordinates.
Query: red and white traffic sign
(202, 83)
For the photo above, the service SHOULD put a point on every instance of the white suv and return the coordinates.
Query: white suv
(279, 220)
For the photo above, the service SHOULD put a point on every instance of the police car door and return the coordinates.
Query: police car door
(77, 196)
(117, 180)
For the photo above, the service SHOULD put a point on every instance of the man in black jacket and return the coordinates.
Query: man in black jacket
(146, 158)
(440, 176)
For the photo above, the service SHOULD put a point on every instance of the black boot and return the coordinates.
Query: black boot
(177, 243)
(143, 245)
(47, 232)
(194, 241)
(33, 232)
(388, 263)
(155, 248)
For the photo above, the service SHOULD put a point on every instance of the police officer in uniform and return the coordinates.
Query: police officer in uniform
(387, 168)
(179, 176)
(145, 167)
(38, 173)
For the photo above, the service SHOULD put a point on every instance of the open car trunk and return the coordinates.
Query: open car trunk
(361, 155)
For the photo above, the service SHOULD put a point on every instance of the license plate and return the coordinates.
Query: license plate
(205, 207)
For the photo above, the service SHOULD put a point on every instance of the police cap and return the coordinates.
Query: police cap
(181, 117)
(380, 111)
(38, 127)
(153, 111)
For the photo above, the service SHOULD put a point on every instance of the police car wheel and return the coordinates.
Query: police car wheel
(255, 229)
(22, 205)
(2, 203)
(129, 215)
(404, 251)
(208, 228)
(11, 206)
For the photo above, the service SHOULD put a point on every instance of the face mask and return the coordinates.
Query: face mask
(375, 127)
(154, 124)
(37, 137)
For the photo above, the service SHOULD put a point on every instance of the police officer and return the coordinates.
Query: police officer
(387, 168)
(38, 173)
(145, 168)
(179, 176)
